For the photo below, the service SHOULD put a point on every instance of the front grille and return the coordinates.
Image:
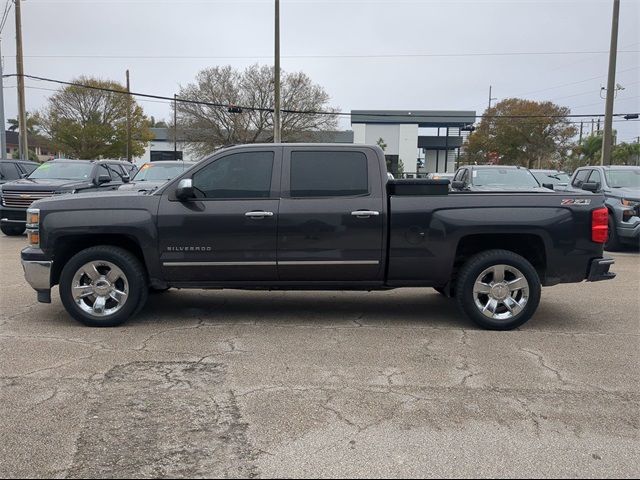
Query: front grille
(21, 198)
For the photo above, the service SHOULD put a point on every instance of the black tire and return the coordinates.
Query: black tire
(613, 242)
(12, 230)
(125, 261)
(475, 266)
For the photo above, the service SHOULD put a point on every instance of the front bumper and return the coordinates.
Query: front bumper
(599, 270)
(38, 275)
(13, 216)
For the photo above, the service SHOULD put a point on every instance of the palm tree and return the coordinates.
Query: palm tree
(33, 124)
(590, 148)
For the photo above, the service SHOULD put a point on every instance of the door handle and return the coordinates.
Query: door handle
(365, 213)
(258, 214)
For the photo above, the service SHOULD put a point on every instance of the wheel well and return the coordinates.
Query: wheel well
(72, 244)
(528, 246)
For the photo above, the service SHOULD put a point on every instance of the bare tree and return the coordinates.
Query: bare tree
(209, 127)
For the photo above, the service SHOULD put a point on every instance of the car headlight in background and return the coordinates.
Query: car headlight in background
(33, 226)
(629, 203)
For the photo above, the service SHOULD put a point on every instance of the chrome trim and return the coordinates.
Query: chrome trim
(6, 220)
(258, 214)
(37, 273)
(216, 264)
(332, 262)
(365, 213)
(286, 263)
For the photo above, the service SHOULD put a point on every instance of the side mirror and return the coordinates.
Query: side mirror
(591, 186)
(103, 179)
(457, 185)
(126, 178)
(548, 185)
(185, 190)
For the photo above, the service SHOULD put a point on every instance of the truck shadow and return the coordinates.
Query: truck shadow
(417, 307)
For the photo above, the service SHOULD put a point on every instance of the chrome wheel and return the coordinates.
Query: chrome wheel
(501, 292)
(100, 288)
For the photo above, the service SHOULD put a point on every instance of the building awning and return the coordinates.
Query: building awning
(423, 118)
(439, 143)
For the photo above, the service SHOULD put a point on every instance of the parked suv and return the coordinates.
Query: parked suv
(15, 169)
(621, 188)
(57, 177)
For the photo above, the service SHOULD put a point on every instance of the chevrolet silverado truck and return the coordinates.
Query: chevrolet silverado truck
(315, 217)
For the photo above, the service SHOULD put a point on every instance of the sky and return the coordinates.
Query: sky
(367, 54)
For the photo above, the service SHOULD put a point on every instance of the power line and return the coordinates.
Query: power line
(5, 14)
(320, 56)
(306, 112)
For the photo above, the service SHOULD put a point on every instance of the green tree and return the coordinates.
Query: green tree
(626, 154)
(87, 123)
(32, 155)
(522, 132)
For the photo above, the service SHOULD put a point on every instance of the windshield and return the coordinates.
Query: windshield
(504, 177)
(76, 170)
(158, 172)
(554, 178)
(623, 178)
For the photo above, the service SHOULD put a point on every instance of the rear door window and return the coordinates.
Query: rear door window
(328, 174)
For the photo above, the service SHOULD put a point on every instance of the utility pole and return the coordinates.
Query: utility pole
(611, 87)
(490, 97)
(276, 112)
(22, 113)
(581, 126)
(3, 135)
(128, 120)
(175, 127)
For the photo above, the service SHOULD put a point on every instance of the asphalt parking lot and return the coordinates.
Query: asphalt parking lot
(329, 384)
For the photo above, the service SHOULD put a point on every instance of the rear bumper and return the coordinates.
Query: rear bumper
(599, 270)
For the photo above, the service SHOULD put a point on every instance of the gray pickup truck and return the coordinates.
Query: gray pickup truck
(620, 185)
(312, 216)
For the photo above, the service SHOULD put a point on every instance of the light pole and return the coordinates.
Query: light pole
(22, 113)
(607, 138)
(276, 111)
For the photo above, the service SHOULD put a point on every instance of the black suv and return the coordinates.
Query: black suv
(15, 169)
(58, 177)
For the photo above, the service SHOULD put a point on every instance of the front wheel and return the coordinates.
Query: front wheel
(103, 286)
(498, 290)
(12, 230)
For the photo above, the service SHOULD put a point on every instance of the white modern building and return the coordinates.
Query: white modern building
(424, 140)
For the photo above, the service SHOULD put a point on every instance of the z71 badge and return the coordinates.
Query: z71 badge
(576, 201)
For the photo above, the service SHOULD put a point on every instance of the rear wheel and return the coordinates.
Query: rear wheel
(498, 290)
(103, 286)
(12, 230)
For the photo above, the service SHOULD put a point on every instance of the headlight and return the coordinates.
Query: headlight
(629, 203)
(33, 226)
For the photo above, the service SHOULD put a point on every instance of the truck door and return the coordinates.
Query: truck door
(332, 214)
(229, 232)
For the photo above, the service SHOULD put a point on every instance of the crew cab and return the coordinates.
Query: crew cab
(57, 177)
(312, 216)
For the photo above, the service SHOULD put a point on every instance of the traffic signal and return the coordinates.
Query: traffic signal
(234, 109)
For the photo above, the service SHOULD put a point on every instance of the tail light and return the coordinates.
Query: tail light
(600, 225)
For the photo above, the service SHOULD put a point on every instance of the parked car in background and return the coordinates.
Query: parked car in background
(57, 177)
(552, 177)
(153, 175)
(487, 178)
(15, 169)
(621, 188)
